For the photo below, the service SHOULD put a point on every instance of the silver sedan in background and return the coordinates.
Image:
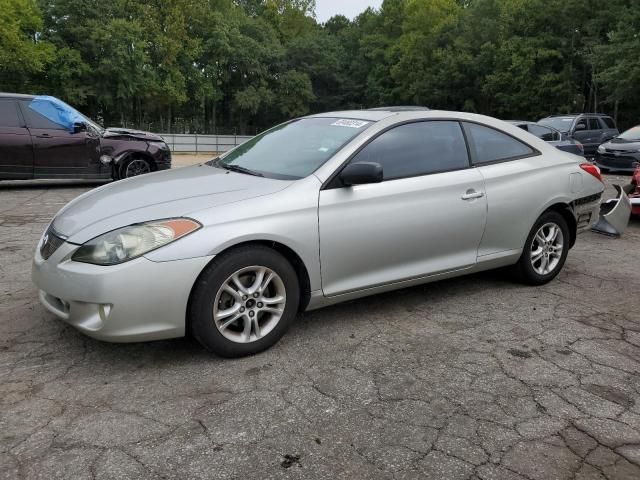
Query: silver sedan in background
(315, 211)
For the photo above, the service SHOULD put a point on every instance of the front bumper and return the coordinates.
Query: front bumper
(163, 160)
(140, 300)
(622, 162)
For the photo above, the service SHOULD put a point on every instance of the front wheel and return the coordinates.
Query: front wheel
(545, 250)
(244, 301)
(134, 167)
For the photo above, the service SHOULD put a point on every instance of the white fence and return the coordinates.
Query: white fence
(181, 143)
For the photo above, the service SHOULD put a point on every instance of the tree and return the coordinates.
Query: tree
(23, 54)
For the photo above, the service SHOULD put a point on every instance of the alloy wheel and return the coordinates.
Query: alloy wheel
(546, 248)
(137, 167)
(249, 304)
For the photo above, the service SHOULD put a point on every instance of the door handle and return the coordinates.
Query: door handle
(472, 194)
(44, 135)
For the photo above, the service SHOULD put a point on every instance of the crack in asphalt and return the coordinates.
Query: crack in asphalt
(470, 378)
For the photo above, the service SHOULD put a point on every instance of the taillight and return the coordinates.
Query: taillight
(592, 169)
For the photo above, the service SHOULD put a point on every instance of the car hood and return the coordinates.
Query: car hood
(166, 194)
(618, 144)
(129, 134)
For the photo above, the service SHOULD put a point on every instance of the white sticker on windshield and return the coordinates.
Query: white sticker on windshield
(343, 122)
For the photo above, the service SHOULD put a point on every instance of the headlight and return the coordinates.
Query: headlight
(601, 149)
(161, 144)
(127, 243)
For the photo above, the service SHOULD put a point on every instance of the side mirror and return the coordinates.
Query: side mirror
(580, 126)
(361, 173)
(79, 127)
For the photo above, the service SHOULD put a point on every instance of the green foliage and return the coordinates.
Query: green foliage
(22, 54)
(197, 65)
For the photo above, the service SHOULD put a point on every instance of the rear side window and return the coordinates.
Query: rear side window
(543, 133)
(608, 121)
(418, 148)
(35, 120)
(9, 114)
(594, 124)
(491, 145)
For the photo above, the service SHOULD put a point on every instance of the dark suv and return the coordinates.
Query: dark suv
(43, 137)
(590, 129)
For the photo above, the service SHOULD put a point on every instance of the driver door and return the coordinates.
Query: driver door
(59, 153)
(426, 217)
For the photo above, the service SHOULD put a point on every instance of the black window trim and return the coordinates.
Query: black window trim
(333, 181)
(534, 151)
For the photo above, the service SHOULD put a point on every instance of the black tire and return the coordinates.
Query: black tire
(146, 166)
(203, 296)
(524, 268)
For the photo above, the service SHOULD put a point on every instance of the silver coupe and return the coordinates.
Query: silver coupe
(315, 211)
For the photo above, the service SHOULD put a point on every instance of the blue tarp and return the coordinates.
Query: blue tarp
(57, 111)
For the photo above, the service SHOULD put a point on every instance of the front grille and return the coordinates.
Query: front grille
(50, 243)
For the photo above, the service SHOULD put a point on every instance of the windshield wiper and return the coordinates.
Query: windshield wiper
(239, 169)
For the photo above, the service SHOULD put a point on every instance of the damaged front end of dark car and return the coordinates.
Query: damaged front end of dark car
(133, 152)
(41, 137)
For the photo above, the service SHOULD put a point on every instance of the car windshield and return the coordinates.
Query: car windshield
(96, 126)
(293, 150)
(562, 124)
(633, 134)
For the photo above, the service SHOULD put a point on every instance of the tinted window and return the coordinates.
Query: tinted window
(594, 124)
(544, 133)
(417, 149)
(9, 114)
(491, 145)
(608, 121)
(35, 120)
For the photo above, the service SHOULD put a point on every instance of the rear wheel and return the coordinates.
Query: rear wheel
(545, 250)
(244, 302)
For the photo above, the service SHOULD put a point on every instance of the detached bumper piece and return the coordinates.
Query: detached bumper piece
(614, 215)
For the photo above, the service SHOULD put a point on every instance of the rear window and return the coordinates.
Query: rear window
(492, 146)
(608, 121)
(9, 114)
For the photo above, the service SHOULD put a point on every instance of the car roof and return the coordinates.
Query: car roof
(400, 108)
(369, 115)
(16, 95)
(578, 115)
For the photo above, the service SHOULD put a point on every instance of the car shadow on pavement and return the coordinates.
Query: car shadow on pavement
(50, 184)
(353, 315)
